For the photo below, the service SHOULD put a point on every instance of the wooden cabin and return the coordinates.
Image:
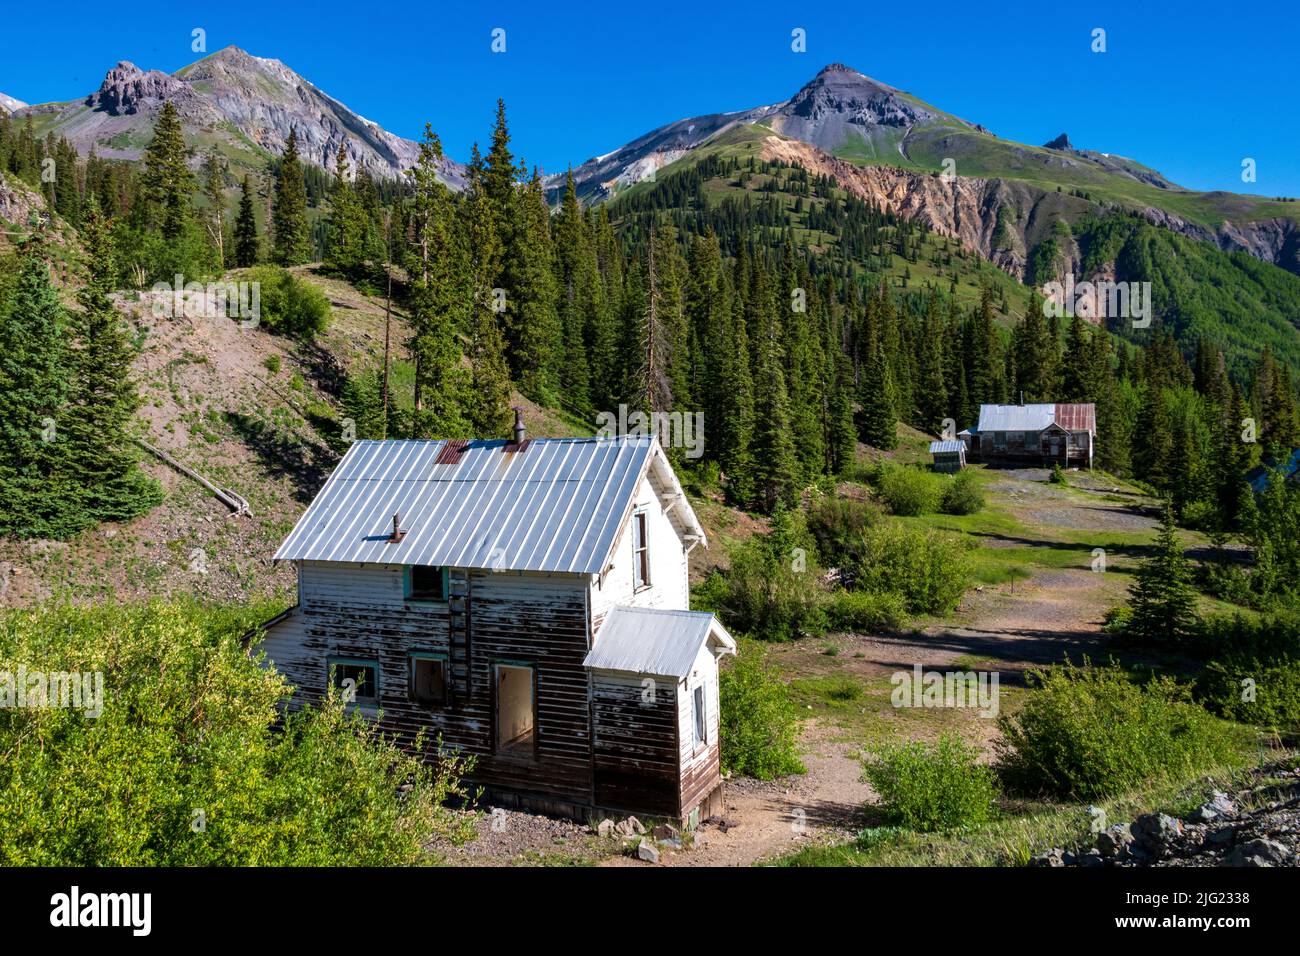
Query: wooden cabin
(949, 456)
(1042, 434)
(524, 600)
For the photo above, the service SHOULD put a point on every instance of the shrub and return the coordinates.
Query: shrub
(1254, 672)
(929, 569)
(759, 722)
(963, 496)
(933, 787)
(1116, 620)
(190, 721)
(910, 491)
(773, 589)
(290, 306)
(1088, 733)
(1057, 477)
(836, 524)
(865, 611)
(271, 363)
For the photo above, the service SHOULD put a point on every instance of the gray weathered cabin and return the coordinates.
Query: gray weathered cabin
(949, 456)
(1045, 434)
(526, 601)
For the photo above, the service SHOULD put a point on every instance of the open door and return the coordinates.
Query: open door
(516, 715)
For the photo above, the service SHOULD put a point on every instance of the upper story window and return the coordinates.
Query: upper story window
(425, 582)
(640, 551)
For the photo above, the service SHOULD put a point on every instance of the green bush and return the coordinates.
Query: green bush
(290, 306)
(963, 495)
(190, 730)
(773, 589)
(929, 569)
(910, 491)
(1057, 477)
(836, 524)
(1254, 670)
(1090, 732)
(864, 611)
(933, 787)
(759, 722)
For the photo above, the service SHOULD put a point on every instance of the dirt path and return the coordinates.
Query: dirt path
(765, 819)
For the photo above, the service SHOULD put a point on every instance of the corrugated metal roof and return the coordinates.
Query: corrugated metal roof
(946, 447)
(1034, 418)
(1081, 417)
(556, 505)
(637, 640)
(1015, 418)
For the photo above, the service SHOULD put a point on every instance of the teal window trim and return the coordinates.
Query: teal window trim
(406, 587)
(414, 656)
(330, 663)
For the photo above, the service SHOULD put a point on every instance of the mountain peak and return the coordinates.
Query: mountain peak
(1061, 142)
(127, 90)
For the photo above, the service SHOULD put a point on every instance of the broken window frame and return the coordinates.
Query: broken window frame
(410, 593)
(413, 662)
(335, 676)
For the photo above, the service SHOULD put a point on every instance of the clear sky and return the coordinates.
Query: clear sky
(1190, 89)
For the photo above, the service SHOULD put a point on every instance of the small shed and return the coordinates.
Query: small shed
(654, 699)
(948, 455)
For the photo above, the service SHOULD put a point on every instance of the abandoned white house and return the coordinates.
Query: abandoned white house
(527, 602)
(1044, 433)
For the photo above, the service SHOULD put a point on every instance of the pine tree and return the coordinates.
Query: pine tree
(33, 386)
(1161, 599)
(289, 232)
(246, 244)
(346, 234)
(532, 322)
(167, 179)
(879, 422)
(776, 467)
(440, 301)
(97, 456)
(932, 390)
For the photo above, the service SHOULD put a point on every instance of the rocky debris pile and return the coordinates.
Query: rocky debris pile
(647, 845)
(1259, 826)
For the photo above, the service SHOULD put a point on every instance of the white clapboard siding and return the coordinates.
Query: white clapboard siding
(669, 585)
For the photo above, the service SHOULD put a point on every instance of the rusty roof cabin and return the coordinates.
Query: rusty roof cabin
(1046, 434)
(527, 601)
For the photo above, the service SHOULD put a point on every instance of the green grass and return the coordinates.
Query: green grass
(1024, 829)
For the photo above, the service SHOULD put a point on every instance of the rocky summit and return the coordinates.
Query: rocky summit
(231, 99)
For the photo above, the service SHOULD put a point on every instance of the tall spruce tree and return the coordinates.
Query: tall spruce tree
(246, 242)
(291, 239)
(34, 382)
(97, 457)
(1161, 599)
(167, 180)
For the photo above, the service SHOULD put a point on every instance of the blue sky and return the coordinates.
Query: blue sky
(1189, 89)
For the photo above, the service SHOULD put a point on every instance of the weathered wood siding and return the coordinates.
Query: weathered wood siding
(669, 584)
(513, 617)
(701, 768)
(636, 753)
